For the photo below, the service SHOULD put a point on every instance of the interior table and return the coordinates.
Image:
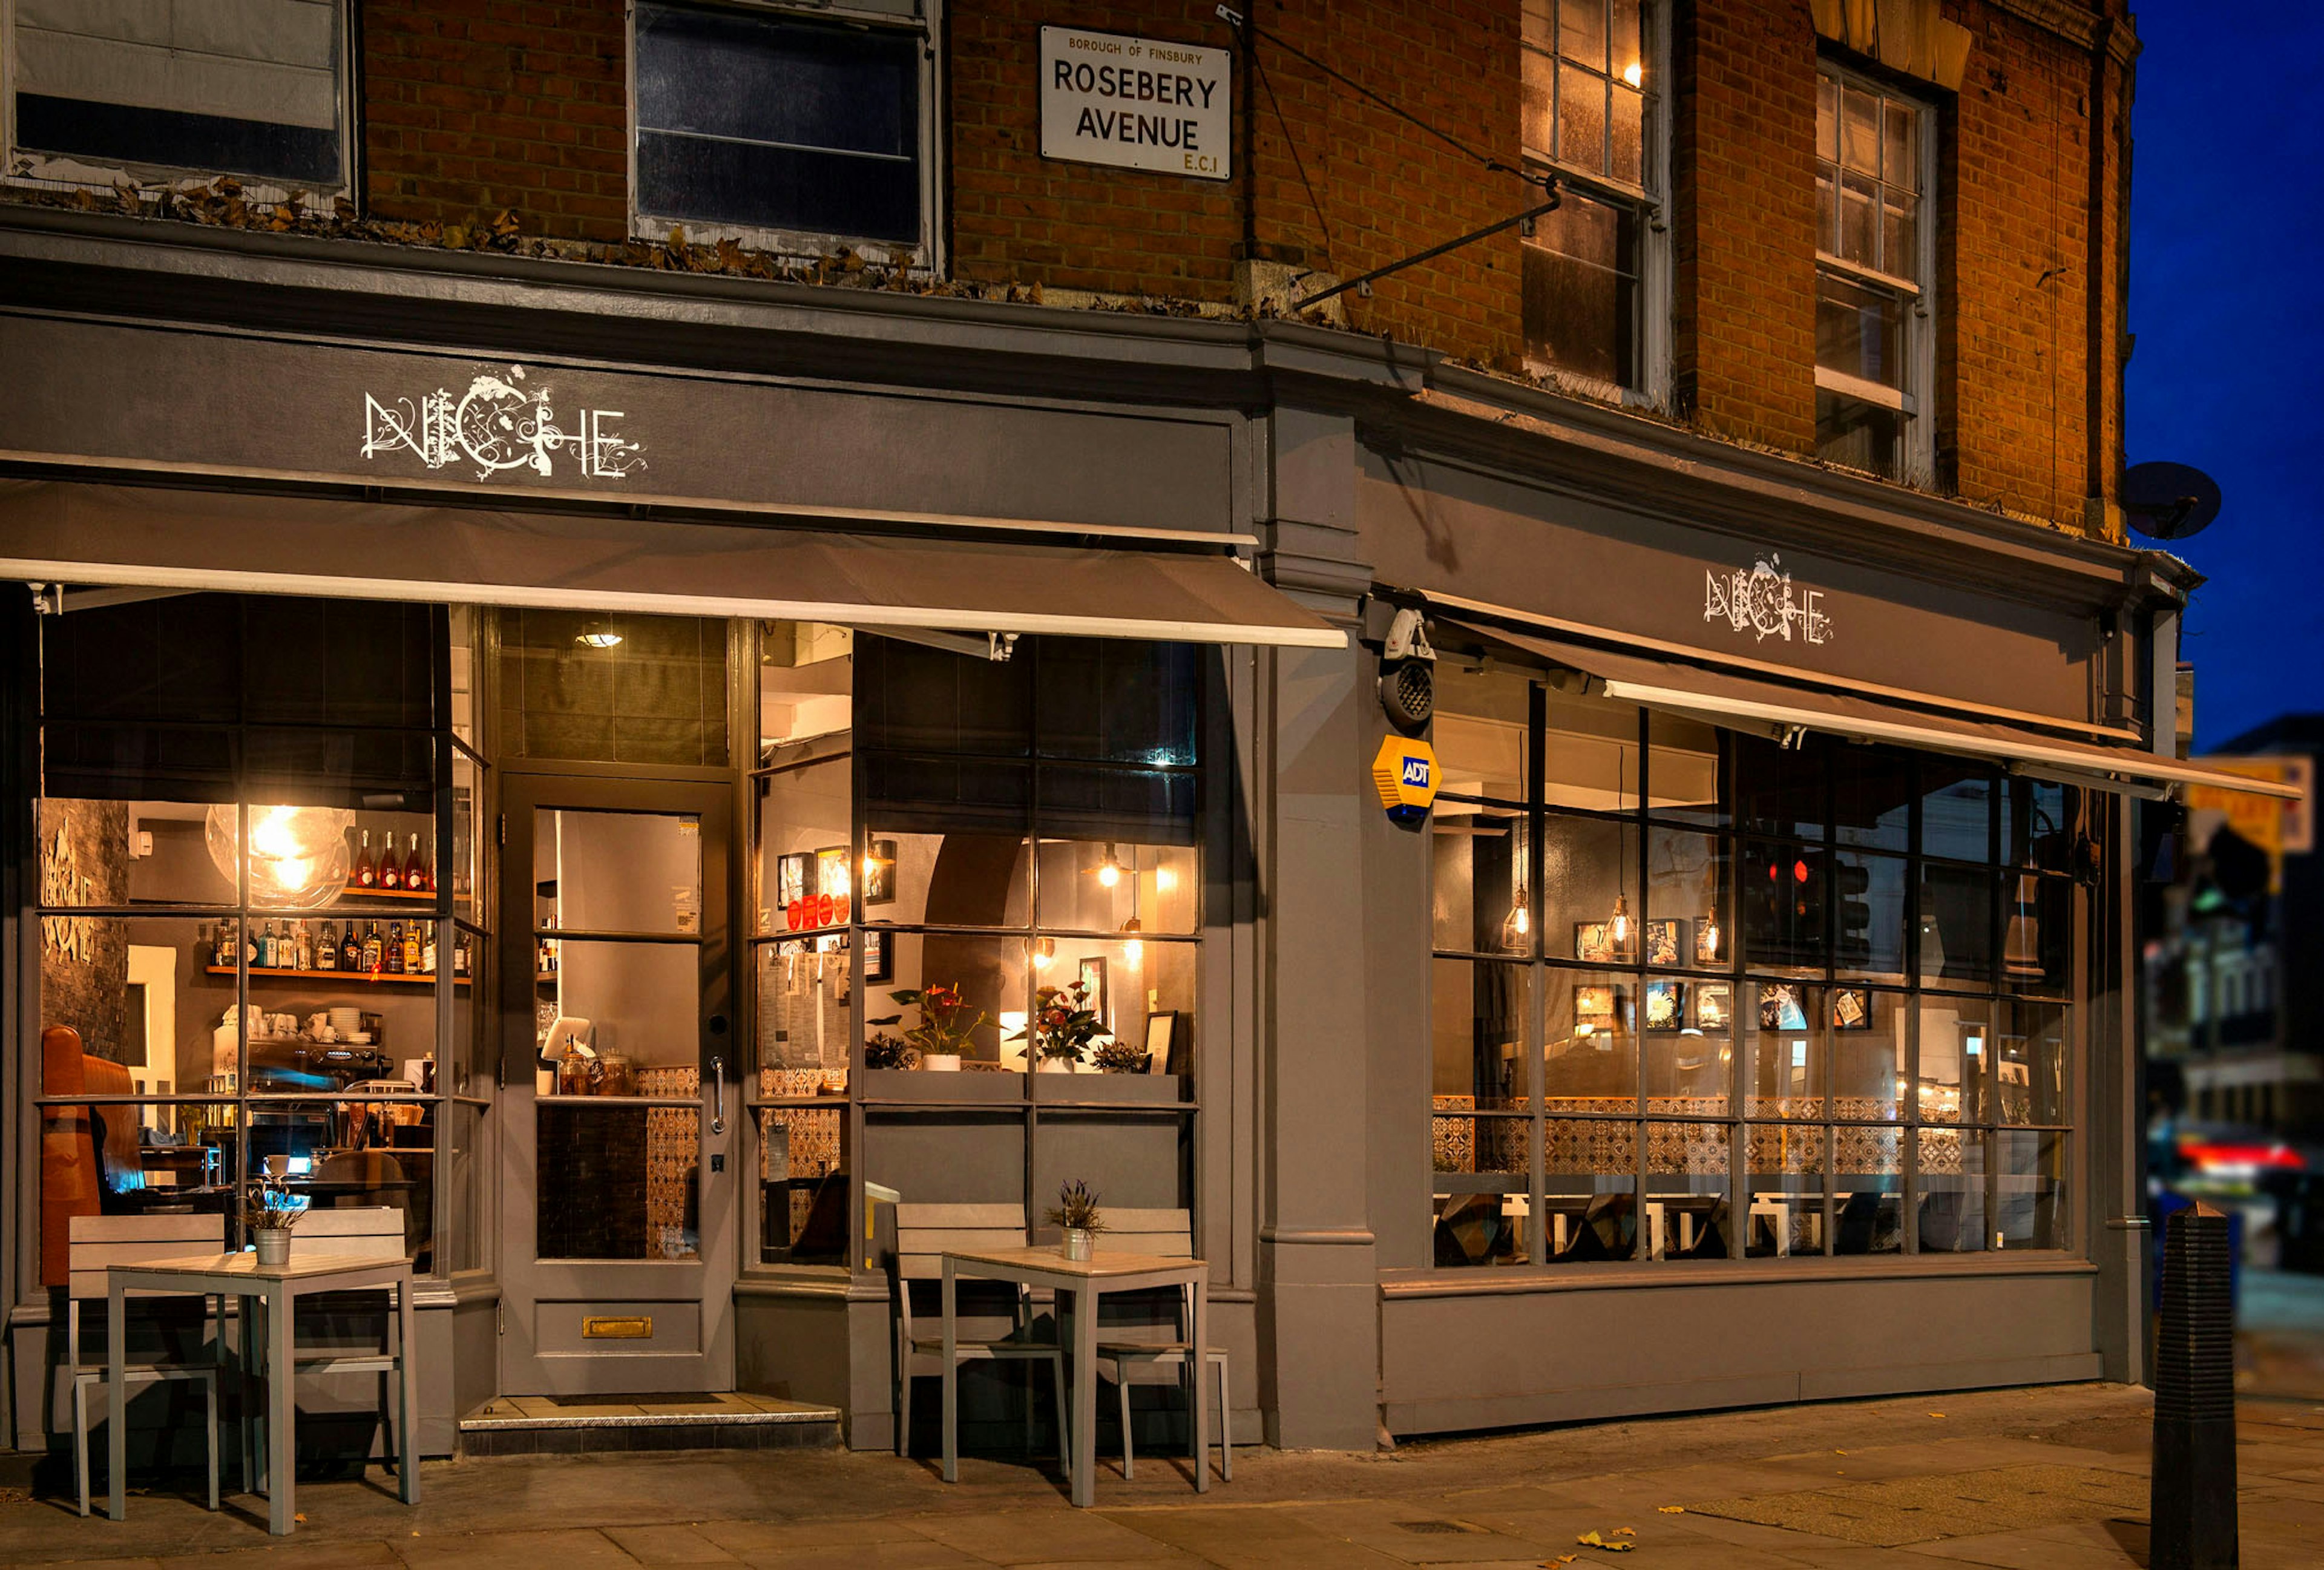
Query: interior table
(1087, 1280)
(279, 1286)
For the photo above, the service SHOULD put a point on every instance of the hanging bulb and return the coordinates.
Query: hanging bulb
(1109, 871)
(1518, 924)
(1045, 949)
(1618, 929)
(1133, 949)
(1707, 943)
(1165, 878)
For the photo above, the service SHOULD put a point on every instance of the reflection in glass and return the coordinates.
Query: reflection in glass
(1688, 903)
(1868, 932)
(1116, 886)
(2030, 1173)
(2029, 1066)
(1952, 1191)
(1479, 733)
(1784, 1035)
(1684, 771)
(1482, 1165)
(1867, 1192)
(617, 872)
(1784, 1188)
(1956, 1060)
(1591, 1055)
(1957, 800)
(1481, 1013)
(1957, 914)
(1686, 1190)
(1589, 888)
(1480, 905)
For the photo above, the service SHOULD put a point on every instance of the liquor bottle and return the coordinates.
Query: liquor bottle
(367, 872)
(222, 946)
(396, 948)
(302, 954)
(371, 954)
(250, 945)
(428, 951)
(391, 871)
(460, 955)
(265, 947)
(412, 950)
(351, 951)
(417, 879)
(327, 949)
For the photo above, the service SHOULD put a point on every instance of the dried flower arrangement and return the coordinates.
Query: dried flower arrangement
(269, 1206)
(1076, 1209)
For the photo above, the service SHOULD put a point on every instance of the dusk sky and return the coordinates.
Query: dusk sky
(2225, 235)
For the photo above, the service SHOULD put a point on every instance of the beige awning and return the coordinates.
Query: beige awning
(1721, 698)
(154, 538)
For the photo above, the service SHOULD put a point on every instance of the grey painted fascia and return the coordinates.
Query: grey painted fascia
(1707, 483)
(1403, 1284)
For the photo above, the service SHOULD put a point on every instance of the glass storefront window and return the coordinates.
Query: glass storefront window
(250, 869)
(1767, 974)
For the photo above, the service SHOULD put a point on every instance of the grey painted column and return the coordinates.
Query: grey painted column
(1318, 1283)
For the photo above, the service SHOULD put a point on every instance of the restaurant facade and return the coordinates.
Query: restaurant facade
(676, 746)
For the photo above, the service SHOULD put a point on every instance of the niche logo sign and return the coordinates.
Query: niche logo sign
(498, 425)
(1760, 599)
(1136, 103)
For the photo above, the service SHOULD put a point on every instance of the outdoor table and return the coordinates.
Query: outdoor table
(1088, 1280)
(279, 1286)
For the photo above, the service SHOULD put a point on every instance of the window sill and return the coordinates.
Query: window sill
(803, 249)
(1624, 1276)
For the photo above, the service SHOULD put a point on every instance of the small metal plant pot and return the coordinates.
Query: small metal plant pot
(1076, 1245)
(273, 1244)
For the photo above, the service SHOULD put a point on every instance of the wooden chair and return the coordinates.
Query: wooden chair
(1168, 1234)
(98, 1242)
(924, 1234)
(369, 1233)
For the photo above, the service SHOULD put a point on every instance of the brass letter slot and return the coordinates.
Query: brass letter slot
(608, 1327)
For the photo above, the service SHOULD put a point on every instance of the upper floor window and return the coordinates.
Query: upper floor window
(1875, 263)
(803, 135)
(1596, 271)
(255, 88)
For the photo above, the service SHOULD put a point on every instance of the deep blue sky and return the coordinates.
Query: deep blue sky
(2227, 248)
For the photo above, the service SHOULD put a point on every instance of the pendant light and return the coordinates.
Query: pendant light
(1517, 926)
(1706, 940)
(1617, 926)
(1108, 869)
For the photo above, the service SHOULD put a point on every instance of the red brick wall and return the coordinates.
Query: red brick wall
(474, 106)
(1743, 181)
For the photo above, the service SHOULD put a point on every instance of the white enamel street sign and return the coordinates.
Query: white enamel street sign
(1136, 103)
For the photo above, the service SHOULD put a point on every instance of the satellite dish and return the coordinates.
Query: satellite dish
(2168, 500)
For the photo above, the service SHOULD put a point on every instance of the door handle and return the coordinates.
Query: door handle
(718, 1080)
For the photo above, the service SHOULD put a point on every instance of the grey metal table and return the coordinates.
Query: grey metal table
(279, 1286)
(1087, 1280)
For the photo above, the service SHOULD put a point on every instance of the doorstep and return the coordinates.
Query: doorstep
(571, 1425)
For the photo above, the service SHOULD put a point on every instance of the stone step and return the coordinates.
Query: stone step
(572, 1424)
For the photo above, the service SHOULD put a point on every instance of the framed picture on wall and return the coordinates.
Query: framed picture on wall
(1714, 1005)
(1851, 1008)
(1666, 943)
(1092, 977)
(1665, 1005)
(1593, 942)
(1780, 1008)
(791, 875)
(879, 957)
(1597, 1008)
(1166, 1049)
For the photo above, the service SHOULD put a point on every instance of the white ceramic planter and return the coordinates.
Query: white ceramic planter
(940, 1062)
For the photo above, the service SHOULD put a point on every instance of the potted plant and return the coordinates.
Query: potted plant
(1119, 1057)
(947, 1024)
(269, 1211)
(1064, 1028)
(1077, 1212)
(886, 1051)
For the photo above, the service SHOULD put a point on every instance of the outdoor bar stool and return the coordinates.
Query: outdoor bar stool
(1168, 1234)
(98, 1242)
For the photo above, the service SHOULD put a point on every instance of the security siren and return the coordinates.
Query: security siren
(1407, 680)
(2168, 500)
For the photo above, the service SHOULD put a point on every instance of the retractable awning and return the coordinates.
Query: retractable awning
(133, 536)
(1721, 698)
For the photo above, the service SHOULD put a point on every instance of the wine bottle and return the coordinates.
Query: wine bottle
(327, 949)
(350, 951)
(390, 869)
(367, 872)
(416, 876)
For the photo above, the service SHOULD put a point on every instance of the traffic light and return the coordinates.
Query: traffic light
(1784, 905)
(1852, 883)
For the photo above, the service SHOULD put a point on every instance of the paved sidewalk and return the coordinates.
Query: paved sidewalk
(2054, 1478)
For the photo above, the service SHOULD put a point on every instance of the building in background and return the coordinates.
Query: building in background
(812, 525)
(2234, 997)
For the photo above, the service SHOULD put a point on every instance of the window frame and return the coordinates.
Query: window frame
(1651, 205)
(2004, 998)
(60, 171)
(924, 21)
(1915, 399)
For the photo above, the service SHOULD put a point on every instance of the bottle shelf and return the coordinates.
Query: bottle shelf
(357, 892)
(356, 977)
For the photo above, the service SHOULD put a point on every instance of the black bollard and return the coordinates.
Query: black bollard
(2192, 1497)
